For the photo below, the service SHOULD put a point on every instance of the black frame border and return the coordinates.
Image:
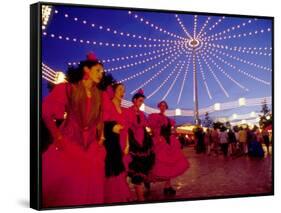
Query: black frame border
(36, 101)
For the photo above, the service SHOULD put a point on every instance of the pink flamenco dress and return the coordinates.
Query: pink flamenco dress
(142, 156)
(116, 162)
(170, 161)
(72, 174)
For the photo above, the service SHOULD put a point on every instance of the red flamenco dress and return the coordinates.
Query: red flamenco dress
(116, 162)
(170, 161)
(74, 173)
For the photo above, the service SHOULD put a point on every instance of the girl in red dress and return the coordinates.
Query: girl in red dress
(140, 143)
(73, 165)
(117, 146)
(170, 161)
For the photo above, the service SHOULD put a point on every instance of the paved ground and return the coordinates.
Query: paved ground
(211, 176)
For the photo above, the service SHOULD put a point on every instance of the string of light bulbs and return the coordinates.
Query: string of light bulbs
(258, 66)
(163, 82)
(238, 35)
(132, 64)
(107, 29)
(157, 73)
(227, 75)
(203, 27)
(150, 68)
(102, 43)
(213, 26)
(231, 29)
(173, 83)
(240, 70)
(128, 57)
(183, 27)
(204, 78)
(154, 26)
(240, 49)
(215, 76)
(184, 80)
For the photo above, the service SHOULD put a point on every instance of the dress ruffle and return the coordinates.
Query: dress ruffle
(117, 189)
(73, 176)
(170, 161)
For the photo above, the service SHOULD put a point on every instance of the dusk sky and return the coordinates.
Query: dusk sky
(233, 57)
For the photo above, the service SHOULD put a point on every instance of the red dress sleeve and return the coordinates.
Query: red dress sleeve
(172, 122)
(54, 107)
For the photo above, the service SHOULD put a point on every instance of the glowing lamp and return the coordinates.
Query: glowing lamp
(253, 114)
(60, 78)
(242, 101)
(217, 106)
(178, 112)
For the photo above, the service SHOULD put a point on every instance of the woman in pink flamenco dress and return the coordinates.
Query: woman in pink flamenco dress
(140, 143)
(117, 146)
(73, 165)
(170, 161)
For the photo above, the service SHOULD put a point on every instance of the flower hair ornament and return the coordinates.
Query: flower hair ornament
(140, 91)
(91, 57)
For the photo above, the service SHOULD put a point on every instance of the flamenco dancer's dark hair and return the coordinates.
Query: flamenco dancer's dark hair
(76, 73)
(116, 84)
(163, 102)
(107, 80)
(139, 94)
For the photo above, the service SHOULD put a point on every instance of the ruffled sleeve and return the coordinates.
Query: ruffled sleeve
(153, 121)
(172, 122)
(54, 107)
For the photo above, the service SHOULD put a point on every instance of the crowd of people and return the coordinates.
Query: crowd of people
(232, 141)
(96, 145)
